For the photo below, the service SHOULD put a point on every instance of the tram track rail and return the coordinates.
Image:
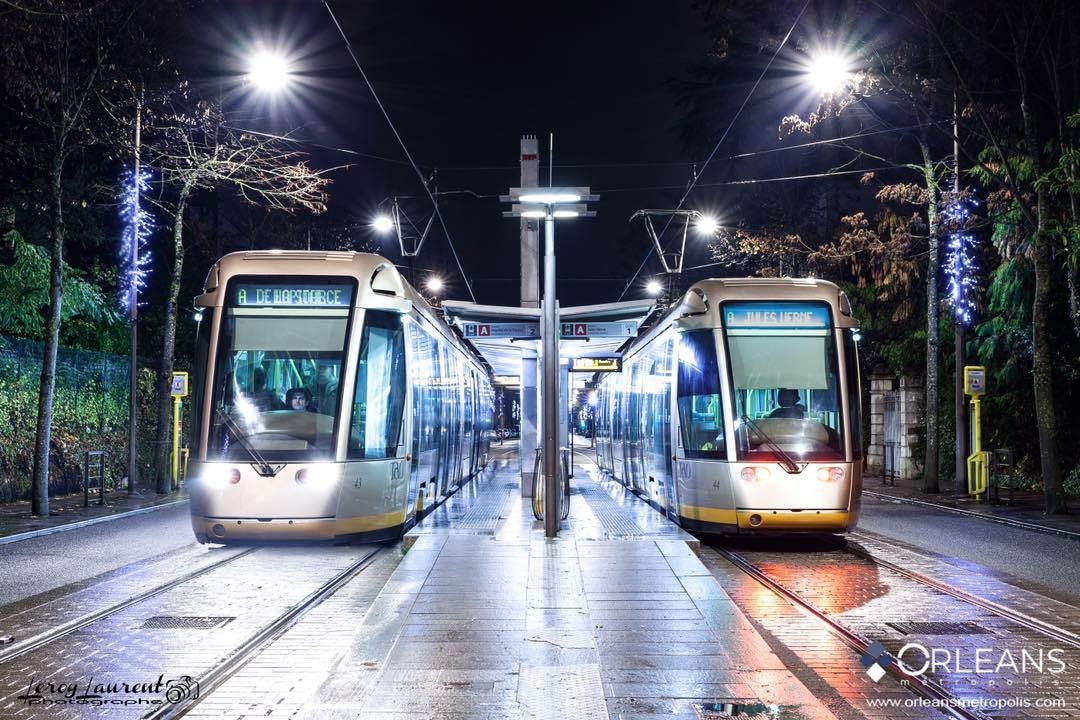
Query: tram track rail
(945, 701)
(216, 676)
(46, 637)
(1012, 615)
(1011, 522)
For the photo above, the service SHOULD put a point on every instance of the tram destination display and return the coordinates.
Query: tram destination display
(776, 315)
(298, 294)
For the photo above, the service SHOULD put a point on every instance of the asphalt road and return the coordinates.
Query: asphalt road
(33, 566)
(1047, 564)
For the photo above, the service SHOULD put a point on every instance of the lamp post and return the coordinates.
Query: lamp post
(550, 203)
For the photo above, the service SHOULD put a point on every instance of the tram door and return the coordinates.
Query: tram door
(471, 425)
(618, 398)
(424, 376)
(449, 426)
(632, 459)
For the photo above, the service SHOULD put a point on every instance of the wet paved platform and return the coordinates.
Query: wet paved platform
(616, 618)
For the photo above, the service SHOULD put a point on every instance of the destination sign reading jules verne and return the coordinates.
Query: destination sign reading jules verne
(768, 315)
(249, 294)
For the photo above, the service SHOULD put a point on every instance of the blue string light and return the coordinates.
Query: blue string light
(960, 270)
(138, 225)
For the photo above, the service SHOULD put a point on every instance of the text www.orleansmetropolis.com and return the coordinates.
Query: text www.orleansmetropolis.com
(967, 703)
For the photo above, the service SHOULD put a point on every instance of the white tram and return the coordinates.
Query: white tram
(740, 410)
(330, 402)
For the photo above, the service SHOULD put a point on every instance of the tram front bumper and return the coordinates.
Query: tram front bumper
(795, 520)
(223, 530)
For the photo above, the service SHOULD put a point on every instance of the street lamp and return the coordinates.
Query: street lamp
(550, 203)
(706, 224)
(434, 284)
(382, 224)
(269, 71)
(653, 287)
(828, 71)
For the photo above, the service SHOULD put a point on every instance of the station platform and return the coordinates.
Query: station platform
(484, 617)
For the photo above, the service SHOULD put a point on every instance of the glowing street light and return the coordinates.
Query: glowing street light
(653, 287)
(382, 224)
(434, 284)
(269, 71)
(828, 71)
(706, 225)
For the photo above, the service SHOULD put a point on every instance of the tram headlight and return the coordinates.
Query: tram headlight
(217, 476)
(830, 474)
(755, 474)
(315, 476)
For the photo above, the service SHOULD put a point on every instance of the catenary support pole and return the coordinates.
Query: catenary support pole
(550, 389)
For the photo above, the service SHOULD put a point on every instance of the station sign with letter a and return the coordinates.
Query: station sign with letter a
(179, 385)
(974, 380)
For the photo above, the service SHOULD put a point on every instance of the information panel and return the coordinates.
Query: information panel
(611, 363)
(291, 294)
(776, 315)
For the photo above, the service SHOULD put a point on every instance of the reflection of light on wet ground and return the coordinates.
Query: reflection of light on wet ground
(836, 586)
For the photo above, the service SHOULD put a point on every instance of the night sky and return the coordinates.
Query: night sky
(462, 82)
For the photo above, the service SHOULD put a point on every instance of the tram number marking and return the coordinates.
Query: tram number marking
(397, 474)
(716, 484)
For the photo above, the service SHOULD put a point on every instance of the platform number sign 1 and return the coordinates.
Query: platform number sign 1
(179, 387)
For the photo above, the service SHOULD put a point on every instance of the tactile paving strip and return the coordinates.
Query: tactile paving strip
(489, 508)
(185, 622)
(612, 516)
(562, 691)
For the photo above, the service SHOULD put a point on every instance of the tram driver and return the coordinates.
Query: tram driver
(790, 407)
(298, 399)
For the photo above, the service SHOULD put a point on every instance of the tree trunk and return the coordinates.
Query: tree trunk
(933, 313)
(1042, 364)
(168, 349)
(47, 386)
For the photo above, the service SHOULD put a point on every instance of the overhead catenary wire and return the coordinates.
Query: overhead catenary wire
(719, 142)
(404, 148)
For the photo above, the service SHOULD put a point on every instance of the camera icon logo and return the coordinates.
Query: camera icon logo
(182, 688)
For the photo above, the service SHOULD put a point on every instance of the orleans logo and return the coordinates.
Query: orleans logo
(876, 659)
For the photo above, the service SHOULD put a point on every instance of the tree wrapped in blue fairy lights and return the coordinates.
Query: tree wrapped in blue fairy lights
(138, 225)
(961, 271)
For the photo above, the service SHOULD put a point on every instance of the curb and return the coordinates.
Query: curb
(1034, 527)
(83, 523)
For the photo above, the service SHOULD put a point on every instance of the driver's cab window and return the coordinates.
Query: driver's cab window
(785, 380)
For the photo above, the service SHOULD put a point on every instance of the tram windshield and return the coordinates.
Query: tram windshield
(281, 346)
(785, 376)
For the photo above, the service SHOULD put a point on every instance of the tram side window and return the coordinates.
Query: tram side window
(380, 388)
(701, 419)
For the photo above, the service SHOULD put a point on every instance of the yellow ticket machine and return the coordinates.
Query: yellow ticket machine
(978, 461)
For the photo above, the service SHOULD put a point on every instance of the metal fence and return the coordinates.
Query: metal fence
(90, 412)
